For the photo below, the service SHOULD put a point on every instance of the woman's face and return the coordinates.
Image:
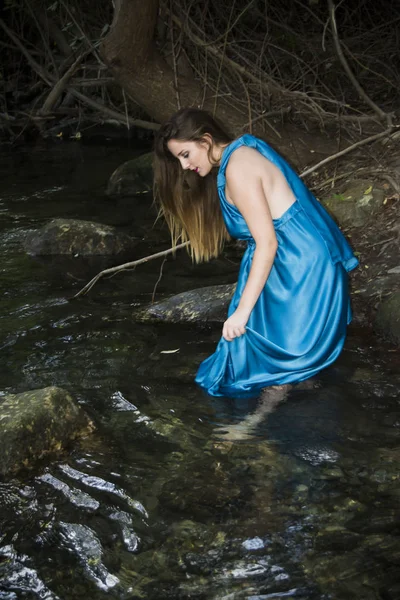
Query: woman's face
(192, 155)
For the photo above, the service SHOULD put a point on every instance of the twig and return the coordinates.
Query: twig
(346, 66)
(231, 25)
(222, 57)
(126, 109)
(83, 34)
(383, 242)
(50, 81)
(113, 113)
(125, 266)
(158, 280)
(176, 81)
(35, 65)
(368, 140)
(60, 85)
(265, 115)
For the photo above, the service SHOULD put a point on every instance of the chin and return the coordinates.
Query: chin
(204, 172)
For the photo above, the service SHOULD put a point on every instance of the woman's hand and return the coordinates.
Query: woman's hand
(235, 326)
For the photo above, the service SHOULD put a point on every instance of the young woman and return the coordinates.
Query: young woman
(288, 316)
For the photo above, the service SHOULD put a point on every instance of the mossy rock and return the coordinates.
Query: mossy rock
(132, 177)
(77, 238)
(205, 305)
(356, 203)
(387, 321)
(37, 423)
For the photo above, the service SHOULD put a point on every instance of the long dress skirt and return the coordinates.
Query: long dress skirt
(298, 325)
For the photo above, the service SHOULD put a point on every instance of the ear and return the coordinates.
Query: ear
(206, 140)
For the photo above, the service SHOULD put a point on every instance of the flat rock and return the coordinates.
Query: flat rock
(205, 305)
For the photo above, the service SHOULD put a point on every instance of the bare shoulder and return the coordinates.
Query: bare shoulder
(248, 161)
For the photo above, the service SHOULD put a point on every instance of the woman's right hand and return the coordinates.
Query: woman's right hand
(235, 325)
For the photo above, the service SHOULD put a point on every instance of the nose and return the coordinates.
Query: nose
(185, 164)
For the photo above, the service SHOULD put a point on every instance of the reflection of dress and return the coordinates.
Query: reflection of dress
(298, 325)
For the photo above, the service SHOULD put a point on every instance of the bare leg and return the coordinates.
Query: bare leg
(269, 399)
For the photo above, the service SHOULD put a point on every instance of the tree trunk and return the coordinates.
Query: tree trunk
(130, 53)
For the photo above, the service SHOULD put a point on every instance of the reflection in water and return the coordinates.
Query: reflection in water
(297, 499)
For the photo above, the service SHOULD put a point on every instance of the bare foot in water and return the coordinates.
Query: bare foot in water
(269, 399)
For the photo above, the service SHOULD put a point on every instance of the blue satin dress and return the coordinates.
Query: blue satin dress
(298, 325)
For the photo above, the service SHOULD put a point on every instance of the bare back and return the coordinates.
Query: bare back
(252, 164)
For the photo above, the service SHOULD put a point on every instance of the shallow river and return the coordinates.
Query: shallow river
(176, 495)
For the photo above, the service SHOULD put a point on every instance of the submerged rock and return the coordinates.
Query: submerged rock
(387, 320)
(86, 546)
(132, 177)
(75, 237)
(37, 423)
(356, 203)
(205, 305)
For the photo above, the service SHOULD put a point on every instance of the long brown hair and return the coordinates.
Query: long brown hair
(190, 203)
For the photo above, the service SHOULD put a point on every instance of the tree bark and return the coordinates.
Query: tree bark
(143, 73)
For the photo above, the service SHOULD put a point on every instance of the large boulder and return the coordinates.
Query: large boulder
(387, 321)
(205, 305)
(77, 238)
(132, 177)
(356, 203)
(37, 423)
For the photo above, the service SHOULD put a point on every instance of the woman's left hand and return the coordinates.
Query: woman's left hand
(235, 326)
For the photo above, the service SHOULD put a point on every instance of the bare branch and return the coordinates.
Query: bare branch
(368, 140)
(125, 266)
(60, 85)
(118, 116)
(346, 66)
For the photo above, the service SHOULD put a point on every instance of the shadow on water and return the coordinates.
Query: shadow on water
(159, 503)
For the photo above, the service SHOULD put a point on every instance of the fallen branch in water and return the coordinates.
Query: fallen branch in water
(125, 266)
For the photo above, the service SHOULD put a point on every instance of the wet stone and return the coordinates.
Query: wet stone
(337, 539)
(19, 579)
(87, 548)
(384, 548)
(38, 423)
(130, 538)
(132, 178)
(253, 544)
(77, 238)
(77, 497)
(204, 305)
(382, 520)
(332, 473)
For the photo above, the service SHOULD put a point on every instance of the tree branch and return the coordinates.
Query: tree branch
(368, 140)
(60, 85)
(363, 95)
(35, 65)
(125, 266)
(120, 117)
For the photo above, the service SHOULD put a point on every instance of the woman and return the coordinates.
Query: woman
(287, 319)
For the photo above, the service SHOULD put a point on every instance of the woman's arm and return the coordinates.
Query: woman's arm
(246, 180)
